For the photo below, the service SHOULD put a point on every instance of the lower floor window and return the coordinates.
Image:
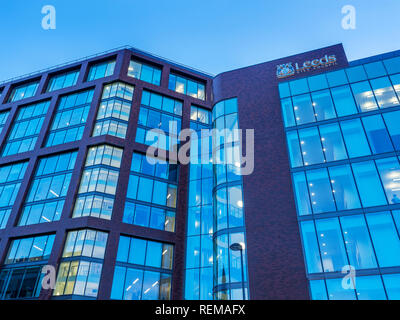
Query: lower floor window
(20, 283)
(78, 278)
(138, 284)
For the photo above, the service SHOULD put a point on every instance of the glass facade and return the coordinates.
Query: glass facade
(159, 112)
(199, 241)
(82, 261)
(342, 137)
(152, 193)
(63, 80)
(143, 270)
(26, 128)
(11, 177)
(115, 107)
(21, 275)
(3, 119)
(23, 91)
(98, 183)
(101, 70)
(70, 118)
(45, 200)
(230, 266)
(187, 86)
(144, 72)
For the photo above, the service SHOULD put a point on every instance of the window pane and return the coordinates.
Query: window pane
(303, 109)
(368, 183)
(364, 96)
(354, 136)
(384, 92)
(318, 290)
(392, 285)
(301, 192)
(389, 170)
(323, 105)
(311, 249)
(385, 238)
(336, 78)
(294, 149)
(311, 146)
(332, 142)
(344, 188)
(287, 111)
(336, 291)
(392, 120)
(344, 101)
(375, 69)
(378, 136)
(356, 74)
(370, 288)
(298, 86)
(318, 82)
(359, 247)
(320, 191)
(330, 238)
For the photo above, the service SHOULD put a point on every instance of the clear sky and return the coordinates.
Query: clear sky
(212, 35)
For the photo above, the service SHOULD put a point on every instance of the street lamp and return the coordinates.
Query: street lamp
(239, 247)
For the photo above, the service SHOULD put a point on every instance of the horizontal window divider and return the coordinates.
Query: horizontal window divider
(141, 267)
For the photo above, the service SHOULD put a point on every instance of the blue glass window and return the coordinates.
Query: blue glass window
(318, 82)
(301, 192)
(284, 90)
(344, 101)
(337, 292)
(323, 105)
(369, 184)
(375, 69)
(333, 252)
(318, 290)
(144, 72)
(384, 92)
(23, 91)
(332, 142)
(298, 86)
(385, 238)
(303, 109)
(336, 78)
(392, 285)
(356, 74)
(311, 248)
(358, 243)
(287, 111)
(392, 65)
(294, 149)
(26, 128)
(370, 288)
(355, 139)
(344, 187)
(392, 120)
(364, 96)
(187, 86)
(377, 134)
(70, 118)
(311, 146)
(321, 194)
(63, 80)
(389, 170)
(101, 70)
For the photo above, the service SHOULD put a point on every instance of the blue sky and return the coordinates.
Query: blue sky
(212, 35)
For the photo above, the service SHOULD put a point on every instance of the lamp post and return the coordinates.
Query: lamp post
(239, 247)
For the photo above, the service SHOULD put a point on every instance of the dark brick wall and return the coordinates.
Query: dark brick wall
(275, 259)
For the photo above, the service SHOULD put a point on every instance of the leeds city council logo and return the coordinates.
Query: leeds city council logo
(285, 70)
